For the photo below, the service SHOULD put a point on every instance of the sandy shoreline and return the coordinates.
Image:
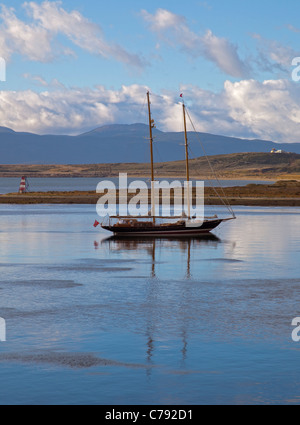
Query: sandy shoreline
(160, 177)
(263, 178)
(257, 202)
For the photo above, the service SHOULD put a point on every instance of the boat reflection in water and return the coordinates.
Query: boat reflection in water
(158, 288)
(151, 244)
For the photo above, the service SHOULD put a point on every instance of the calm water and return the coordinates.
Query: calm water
(10, 184)
(97, 320)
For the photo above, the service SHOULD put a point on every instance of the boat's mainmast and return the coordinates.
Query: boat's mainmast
(187, 162)
(151, 126)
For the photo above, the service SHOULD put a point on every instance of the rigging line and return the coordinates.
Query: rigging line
(212, 170)
(158, 155)
(142, 109)
(213, 187)
(156, 150)
(209, 179)
(226, 204)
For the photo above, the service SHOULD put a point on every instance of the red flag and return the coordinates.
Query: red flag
(96, 223)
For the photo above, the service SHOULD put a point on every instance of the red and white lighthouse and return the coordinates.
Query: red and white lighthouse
(23, 185)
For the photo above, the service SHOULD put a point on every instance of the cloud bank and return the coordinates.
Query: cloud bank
(268, 110)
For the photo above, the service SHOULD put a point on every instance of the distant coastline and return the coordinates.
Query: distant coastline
(240, 166)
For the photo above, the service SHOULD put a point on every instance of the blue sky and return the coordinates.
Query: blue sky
(74, 65)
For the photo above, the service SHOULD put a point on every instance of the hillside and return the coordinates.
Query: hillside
(232, 166)
(121, 144)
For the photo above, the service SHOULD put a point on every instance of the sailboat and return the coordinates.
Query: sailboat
(183, 225)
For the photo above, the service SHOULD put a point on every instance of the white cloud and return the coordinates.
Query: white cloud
(37, 79)
(40, 81)
(30, 40)
(292, 28)
(173, 29)
(270, 109)
(273, 54)
(267, 110)
(163, 20)
(36, 40)
(224, 54)
(69, 111)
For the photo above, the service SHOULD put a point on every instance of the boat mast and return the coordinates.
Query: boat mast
(187, 162)
(151, 125)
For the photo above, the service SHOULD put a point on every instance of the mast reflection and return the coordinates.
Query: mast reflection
(153, 246)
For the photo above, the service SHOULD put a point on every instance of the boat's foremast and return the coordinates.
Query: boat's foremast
(151, 126)
(187, 162)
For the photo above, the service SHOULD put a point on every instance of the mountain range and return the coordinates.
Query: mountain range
(120, 143)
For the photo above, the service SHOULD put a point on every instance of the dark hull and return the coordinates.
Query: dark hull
(172, 230)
